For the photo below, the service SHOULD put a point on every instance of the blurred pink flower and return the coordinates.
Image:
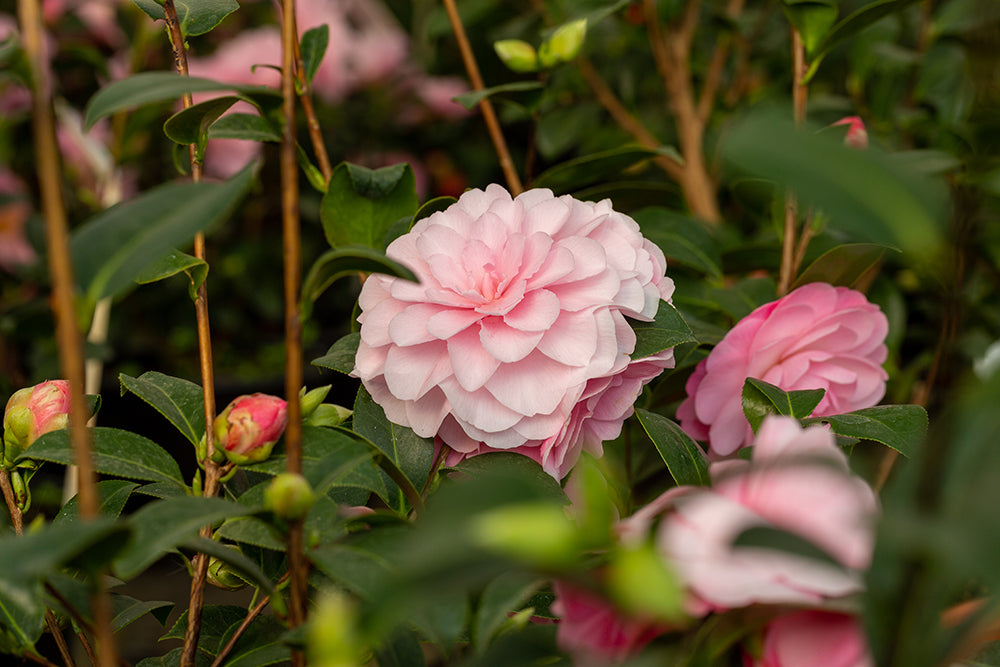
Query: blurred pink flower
(816, 337)
(250, 426)
(857, 135)
(87, 159)
(516, 337)
(97, 16)
(15, 210)
(32, 412)
(814, 638)
(798, 481)
(594, 631)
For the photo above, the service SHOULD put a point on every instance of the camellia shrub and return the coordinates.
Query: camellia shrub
(374, 332)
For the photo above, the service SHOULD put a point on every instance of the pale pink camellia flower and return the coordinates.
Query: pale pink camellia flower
(816, 337)
(814, 638)
(32, 412)
(594, 631)
(857, 135)
(15, 251)
(515, 338)
(250, 426)
(798, 481)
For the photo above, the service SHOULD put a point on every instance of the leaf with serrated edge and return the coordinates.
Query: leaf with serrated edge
(340, 356)
(667, 330)
(901, 427)
(179, 400)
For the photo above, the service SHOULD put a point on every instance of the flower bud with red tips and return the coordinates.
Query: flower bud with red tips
(250, 426)
(857, 135)
(31, 412)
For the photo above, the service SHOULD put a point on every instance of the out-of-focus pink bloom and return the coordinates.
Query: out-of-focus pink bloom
(88, 160)
(97, 16)
(15, 210)
(14, 97)
(814, 638)
(516, 337)
(435, 96)
(250, 426)
(816, 337)
(857, 135)
(594, 631)
(32, 412)
(798, 481)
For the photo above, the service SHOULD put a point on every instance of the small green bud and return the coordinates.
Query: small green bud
(289, 496)
(517, 55)
(538, 533)
(563, 45)
(332, 638)
(312, 399)
(22, 494)
(328, 414)
(222, 575)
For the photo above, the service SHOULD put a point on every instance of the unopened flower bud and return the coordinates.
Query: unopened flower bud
(249, 426)
(516, 54)
(857, 135)
(289, 496)
(564, 44)
(222, 575)
(31, 412)
(312, 399)
(332, 636)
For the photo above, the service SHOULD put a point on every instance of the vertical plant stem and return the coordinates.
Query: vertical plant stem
(485, 106)
(293, 323)
(16, 516)
(197, 597)
(305, 97)
(68, 338)
(799, 96)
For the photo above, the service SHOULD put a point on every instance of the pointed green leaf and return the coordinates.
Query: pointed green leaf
(163, 525)
(667, 330)
(501, 597)
(114, 493)
(182, 402)
(127, 610)
(245, 126)
(812, 18)
(340, 356)
(682, 239)
(313, 47)
(857, 21)
(196, 17)
(347, 261)
(216, 619)
(360, 205)
(190, 126)
(472, 98)
(116, 452)
(594, 168)
(843, 265)
(684, 458)
(901, 427)
(761, 399)
(171, 264)
(114, 247)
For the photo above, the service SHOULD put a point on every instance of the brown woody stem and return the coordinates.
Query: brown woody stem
(788, 242)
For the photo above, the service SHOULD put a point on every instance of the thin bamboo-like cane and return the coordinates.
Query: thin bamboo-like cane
(68, 337)
(799, 94)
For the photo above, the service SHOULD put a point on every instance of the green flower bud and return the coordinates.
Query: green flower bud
(222, 575)
(332, 637)
(564, 44)
(312, 399)
(328, 414)
(289, 496)
(516, 54)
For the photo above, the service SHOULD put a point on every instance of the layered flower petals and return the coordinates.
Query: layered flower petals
(516, 333)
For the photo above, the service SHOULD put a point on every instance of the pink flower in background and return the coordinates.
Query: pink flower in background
(15, 251)
(32, 412)
(814, 638)
(516, 337)
(250, 426)
(593, 631)
(857, 135)
(798, 481)
(816, 337)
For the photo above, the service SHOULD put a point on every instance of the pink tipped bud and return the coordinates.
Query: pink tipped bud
(249, 426)
(857, 135)
(31, 412)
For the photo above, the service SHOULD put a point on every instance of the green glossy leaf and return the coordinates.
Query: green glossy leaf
(761, 399)
(666, 330)
(844, 265)
(196, 17)
(163, 525)
(812, 18)
(153, 87)
(182, 402)
(347, 261)
(587, 169)
(114, 247)
(340, 356)
(470, 99)
(127, 610)
(401, 649)
(313, 47)
(216, 619)
(261, 644)
(861, 192)
(857, 21)
(245, 126)
(901, 427)
(115, 452)
(410, 453)
(114, 493)
(190, 126)
(250, 570)
(360, 205)
(171, 264)
(682, 239)
(501, 597)
(684, 458)
(161, 490)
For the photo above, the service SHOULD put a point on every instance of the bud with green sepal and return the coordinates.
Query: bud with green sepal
(517, 55)
(289, 496)
(32, 412)
(221, 575)
(563, 45)
(248, 428)
(317, 413)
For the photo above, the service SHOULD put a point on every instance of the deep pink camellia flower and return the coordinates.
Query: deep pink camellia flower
(798, 481)
(515, 338)
(816, 337)
(32, 412)
(814, 638)
(250, 426)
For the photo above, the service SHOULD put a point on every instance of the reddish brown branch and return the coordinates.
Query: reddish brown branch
(251, 615)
